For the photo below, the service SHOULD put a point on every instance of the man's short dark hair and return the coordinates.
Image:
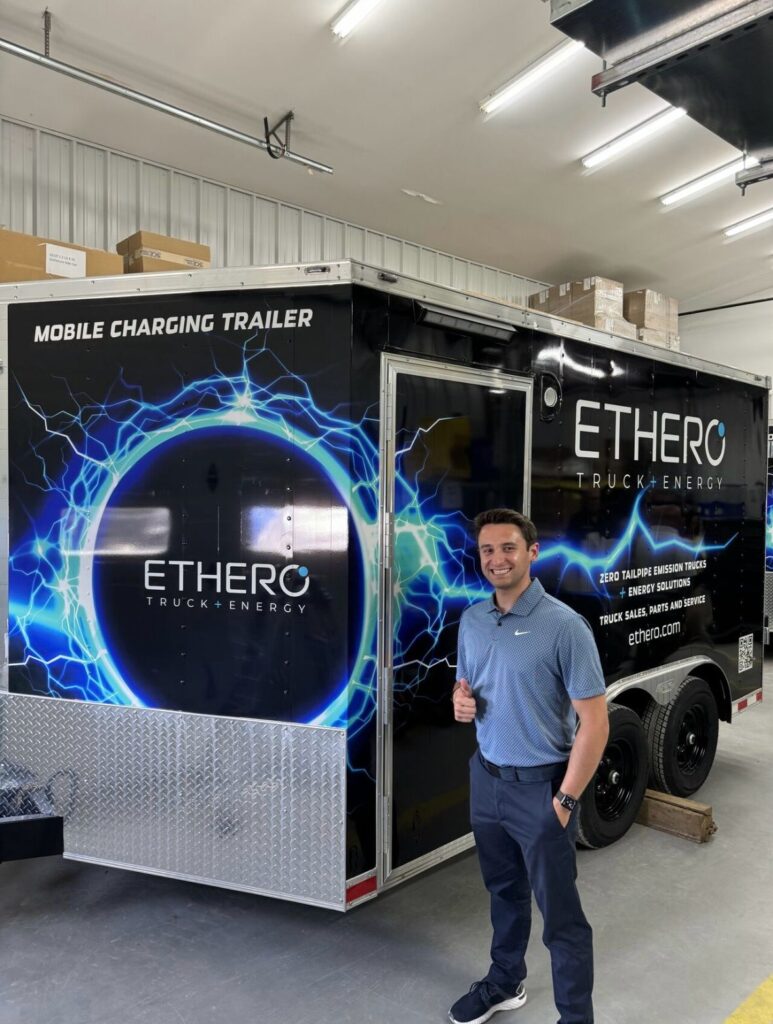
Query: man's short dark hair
(495, 516)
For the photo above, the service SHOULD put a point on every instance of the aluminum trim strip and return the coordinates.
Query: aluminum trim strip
(429, 860)
(199, 880)
(391, 367)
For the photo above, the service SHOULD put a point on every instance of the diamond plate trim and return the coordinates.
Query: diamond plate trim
(769, 597)
(234, 802)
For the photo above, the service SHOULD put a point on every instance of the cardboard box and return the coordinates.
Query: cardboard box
(622, 328)
(147, 251)
(552, 300)
(665, 339)
(611, 324)
(652, 310)
(30, 258)
(539, 300)
(597, 296)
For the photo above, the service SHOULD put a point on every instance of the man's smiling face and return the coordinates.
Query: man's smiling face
(505, 559)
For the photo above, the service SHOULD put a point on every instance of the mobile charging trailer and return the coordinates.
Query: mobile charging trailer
(239, 517)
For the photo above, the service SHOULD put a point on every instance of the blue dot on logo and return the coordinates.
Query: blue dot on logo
(721, 429)
(303, 571)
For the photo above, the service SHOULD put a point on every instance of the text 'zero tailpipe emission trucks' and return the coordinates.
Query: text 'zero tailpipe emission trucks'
(239, 513)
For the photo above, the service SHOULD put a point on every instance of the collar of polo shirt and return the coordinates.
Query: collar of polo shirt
(525, 603)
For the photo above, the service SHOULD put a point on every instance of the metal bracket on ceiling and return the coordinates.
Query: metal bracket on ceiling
(272, 133)
(751, 175)
(714, 23)
(47, 32)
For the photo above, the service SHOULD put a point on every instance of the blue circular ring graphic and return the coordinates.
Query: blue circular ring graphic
(336, 711)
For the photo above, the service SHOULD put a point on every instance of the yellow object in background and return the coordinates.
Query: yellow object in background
(758, 1008)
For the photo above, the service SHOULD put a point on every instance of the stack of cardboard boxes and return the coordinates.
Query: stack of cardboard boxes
(655, 315)
(594, 301)
(29, 258)
(602, 303)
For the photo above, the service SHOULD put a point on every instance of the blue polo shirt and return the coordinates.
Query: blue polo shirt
(525, 667)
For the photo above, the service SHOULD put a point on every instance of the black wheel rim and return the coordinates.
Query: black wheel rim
(693, 741)
(615, 779)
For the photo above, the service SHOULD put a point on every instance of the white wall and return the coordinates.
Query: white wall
(61, 187)
(741, 336)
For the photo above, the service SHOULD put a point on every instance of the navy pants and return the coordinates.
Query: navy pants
(522, 847)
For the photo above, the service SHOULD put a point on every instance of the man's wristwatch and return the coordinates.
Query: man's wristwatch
(569, 802)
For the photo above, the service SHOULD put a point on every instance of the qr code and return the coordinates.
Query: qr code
(745, 652)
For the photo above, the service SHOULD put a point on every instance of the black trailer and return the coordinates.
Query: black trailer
(239, 512)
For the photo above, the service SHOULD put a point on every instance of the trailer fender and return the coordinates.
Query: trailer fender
(660, 685)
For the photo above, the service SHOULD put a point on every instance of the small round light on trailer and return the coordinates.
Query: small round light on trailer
(550, 397)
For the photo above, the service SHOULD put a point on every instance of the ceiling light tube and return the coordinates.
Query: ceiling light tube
(749, 224)
(634, 137)
(708, 181)
(529, 77)
(351, 16)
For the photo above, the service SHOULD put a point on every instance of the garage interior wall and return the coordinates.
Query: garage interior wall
(59, 187)
(739, 335)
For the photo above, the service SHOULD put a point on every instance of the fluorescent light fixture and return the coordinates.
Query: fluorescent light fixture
(634, 137)
(351, 16)
(533, 74)
(465, 323)
(748, 225)
(708, 181)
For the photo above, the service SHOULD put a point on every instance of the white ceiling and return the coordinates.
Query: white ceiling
(396, 106)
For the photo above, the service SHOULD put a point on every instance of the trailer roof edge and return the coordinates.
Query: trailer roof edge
(357, 272)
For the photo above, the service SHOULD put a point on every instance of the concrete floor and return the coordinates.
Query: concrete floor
(684, 933)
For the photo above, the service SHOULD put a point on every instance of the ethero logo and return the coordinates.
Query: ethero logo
(224, 577)
(668, 437)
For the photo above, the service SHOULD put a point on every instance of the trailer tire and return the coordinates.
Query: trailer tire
(612, 799)
(682, 737)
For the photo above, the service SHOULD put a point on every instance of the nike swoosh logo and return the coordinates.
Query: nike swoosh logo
(520, 632)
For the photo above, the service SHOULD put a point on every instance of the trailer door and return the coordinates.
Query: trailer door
(454, 442)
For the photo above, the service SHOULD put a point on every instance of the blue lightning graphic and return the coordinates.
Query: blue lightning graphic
(435, 574)
(592, 567)
(52, 609)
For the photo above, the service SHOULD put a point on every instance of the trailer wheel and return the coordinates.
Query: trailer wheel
(682, 737)
(611, 802)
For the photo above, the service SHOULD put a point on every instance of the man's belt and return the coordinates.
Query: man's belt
(536, 773)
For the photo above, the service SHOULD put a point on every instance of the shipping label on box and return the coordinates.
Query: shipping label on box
(65, 262)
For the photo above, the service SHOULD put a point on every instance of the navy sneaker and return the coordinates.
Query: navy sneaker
(483, 1000)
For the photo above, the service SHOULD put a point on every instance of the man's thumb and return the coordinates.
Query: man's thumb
(464, 686)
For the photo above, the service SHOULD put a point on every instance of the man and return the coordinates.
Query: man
(527, 671)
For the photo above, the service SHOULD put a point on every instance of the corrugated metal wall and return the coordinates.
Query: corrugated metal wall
(62, 188)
